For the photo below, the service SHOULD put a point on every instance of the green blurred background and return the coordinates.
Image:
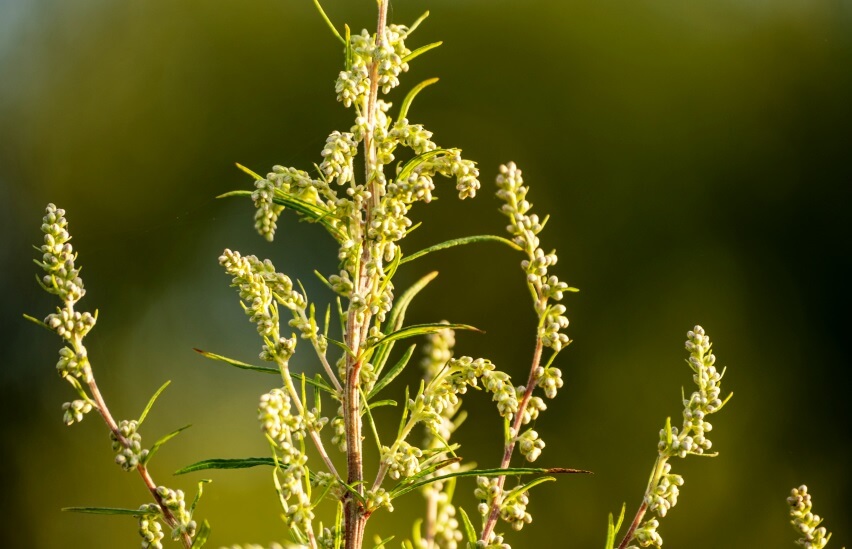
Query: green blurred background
(695, 157)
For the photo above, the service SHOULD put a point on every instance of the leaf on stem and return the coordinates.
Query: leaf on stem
(328, 21)
(318, 383)
(400, 490)
(106, 511)
(469, 531)
(164, 439)
(406, 103)
(38, 322)
(420, 329)
(613, 528)
(224, 463)
(393, 372)
(420, 51)
(151, 403)
(202, 535)
(460, 242)
(248, 171)
(397, 316)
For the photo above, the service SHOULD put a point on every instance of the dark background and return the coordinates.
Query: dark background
(695, 157)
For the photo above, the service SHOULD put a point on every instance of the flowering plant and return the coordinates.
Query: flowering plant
(367, 215)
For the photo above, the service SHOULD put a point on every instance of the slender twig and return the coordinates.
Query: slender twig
(317, 440)
(141, 468)
(640, 513)
(509, 448)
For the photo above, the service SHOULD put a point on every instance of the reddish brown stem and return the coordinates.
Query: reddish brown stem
(168, 517)
(640, 514)
(509, 448)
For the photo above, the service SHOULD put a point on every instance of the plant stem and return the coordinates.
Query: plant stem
(509, 448)
(168, 517)
(355, 518)
(640, 513)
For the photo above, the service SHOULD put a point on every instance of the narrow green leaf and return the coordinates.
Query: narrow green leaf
(409, 166)
(431, 469)
(415, 533)
(328, 22)
(612, 529)
(420, 329)
(380, 544)
(311, 212)
(105, 511)
(528, 486)
(151, 403)
(248, 171)
(355, 493)
(237, 363)
(416, 24)
(511, 471)
(338, 521)
(341, 345)
(380, 403)
(38, 322)
(264, 369)
(198, 494)
(420, 51)
(393, 372)
(202, 535)
(222, 463)
(460, 242)
(406, 103)
(370, 419)
(469, 531)
(164, 439)
(397, 316)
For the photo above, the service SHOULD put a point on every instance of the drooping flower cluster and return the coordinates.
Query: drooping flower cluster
(262, 290)
(805, 521)
(460, 373)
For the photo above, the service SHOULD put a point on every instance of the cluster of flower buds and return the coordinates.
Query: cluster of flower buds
(378, 498)
(262, 289)
(692, 439)
(175, 502)
(149, 526)
(75, 410)
(74, 364)
(549, 379)
(664, 495)
(282, 426)
(403, 459)
(62, 277)
(489, 493)
(524, 228)
(805, 521)
(647, 535)
(530, 445)
(514, 510)
(128, 448)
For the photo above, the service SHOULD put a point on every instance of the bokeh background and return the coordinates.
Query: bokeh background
(695, 156)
